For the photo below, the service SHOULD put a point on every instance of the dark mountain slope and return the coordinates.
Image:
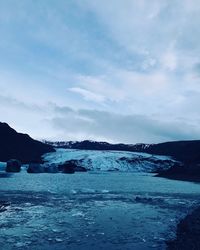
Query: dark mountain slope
(185, 151)
(20, 146)
(188, 152)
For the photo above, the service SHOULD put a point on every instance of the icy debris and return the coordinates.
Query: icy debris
(56, 230)
(22, 244)
(78, 214)
(26, 235)
(73, 191)
(59, 240)
(105, 191)
(11, 240)
(101, 233)
(27, 204)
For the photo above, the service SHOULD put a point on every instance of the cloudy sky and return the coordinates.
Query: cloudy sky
(118, 70)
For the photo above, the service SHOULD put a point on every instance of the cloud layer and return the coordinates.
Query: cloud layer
(116, 127)
(122, 71)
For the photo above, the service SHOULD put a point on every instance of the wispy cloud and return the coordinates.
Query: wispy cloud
(88, 95)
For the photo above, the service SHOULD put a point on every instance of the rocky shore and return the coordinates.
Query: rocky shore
(179, 177)
(188, 233)
(188, 229)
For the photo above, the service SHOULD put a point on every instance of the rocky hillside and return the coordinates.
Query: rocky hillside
(20, 146)
(185, 151)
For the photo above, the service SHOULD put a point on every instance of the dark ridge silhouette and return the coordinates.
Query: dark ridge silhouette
(19, 146)
(95, 145)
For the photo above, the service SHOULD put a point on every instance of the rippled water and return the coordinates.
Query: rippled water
(92, 210)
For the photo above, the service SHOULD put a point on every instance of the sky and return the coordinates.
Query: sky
(118, 71)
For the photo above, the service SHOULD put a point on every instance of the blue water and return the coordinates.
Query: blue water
(101, 210)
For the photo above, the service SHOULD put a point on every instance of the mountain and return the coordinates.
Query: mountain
(20, 146)
(185, 151)
(94, 145)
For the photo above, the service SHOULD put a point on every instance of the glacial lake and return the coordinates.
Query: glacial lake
(93, 210)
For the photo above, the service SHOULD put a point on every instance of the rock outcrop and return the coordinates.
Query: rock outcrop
(13, 166)
(188, 233)
(51, 168)
(68, 168)
(35, 168)
(71, 167)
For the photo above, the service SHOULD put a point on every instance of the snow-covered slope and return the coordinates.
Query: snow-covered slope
(111, 160)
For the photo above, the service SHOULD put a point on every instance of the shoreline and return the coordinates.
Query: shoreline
(187, 233)
(188, 229)
(179, 177)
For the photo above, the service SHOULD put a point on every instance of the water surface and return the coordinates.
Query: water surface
(93, 210)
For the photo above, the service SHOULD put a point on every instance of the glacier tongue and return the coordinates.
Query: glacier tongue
(111, 160)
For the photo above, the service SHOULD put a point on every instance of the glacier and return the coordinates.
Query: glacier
(123, 161)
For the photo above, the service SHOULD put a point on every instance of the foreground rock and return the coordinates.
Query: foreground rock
(35, 168)
(80, 169)
(188, 233)
(13, 166)
(69, 167)
(51, 168)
